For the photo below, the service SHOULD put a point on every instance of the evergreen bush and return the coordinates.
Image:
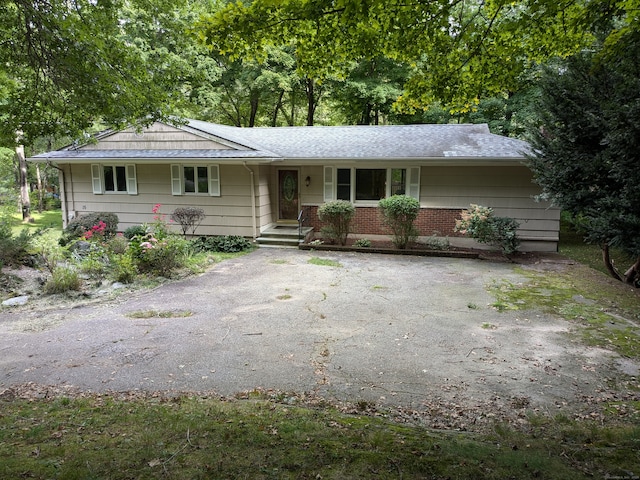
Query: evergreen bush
(84, 223)
(399, 213)
(337, 215)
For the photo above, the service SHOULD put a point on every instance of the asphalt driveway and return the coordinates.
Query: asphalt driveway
(384, 329)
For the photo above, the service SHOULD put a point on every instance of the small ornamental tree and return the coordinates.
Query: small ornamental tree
(189, 218)
(337, 215)
(399, 212)
(479, 223)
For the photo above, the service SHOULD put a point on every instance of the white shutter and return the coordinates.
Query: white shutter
(413, 183)
(214, 180)
(132, 183)
(176, 180)
(328, 184)
(96, 179)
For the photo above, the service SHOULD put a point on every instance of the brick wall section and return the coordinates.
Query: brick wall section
(368, 221)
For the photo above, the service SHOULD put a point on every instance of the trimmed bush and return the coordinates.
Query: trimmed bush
(159, 257)
(84, 223)
(337, 215)
(189, 218)
(479, 223)
(399, 212)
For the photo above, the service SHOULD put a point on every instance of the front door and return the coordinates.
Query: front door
(287, 194)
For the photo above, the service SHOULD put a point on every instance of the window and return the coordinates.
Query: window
(195, 179)
(371, 184)
(114, 179)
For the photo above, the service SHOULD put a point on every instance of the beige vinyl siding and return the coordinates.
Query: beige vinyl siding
(508, 190)
(157, 137)
(228, 214)
(266, 213)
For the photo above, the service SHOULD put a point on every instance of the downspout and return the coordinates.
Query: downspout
(253, 201)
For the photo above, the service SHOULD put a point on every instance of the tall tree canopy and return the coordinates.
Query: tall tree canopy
(66, 64)
(459, 50)
(587, 151)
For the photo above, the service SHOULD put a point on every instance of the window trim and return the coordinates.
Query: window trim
(177, 179)
(412, 187)
(97, 179)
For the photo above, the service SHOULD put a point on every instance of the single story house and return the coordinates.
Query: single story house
(251, 180)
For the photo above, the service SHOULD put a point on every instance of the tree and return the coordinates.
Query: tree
(459, 51)
(587, 151)
(70, 66)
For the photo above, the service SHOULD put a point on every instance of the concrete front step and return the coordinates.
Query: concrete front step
(283, 235)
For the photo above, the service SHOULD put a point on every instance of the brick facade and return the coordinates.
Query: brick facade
(368, 221)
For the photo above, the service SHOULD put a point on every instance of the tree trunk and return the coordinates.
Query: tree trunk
(632, 276)
(25, 202)
(606, 257)
(40, 189)
(311, 101)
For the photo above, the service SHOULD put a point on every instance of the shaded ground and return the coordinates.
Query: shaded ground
(416, 334)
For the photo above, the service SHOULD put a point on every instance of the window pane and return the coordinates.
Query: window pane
(203, 180)
(344, 184)
(398, 181)
(121, 179)
(370, 183)
(109, 185)
(189, 180)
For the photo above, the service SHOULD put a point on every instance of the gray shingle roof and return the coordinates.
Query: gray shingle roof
(409, 142)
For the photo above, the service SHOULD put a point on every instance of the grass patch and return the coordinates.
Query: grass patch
(184, 437)
(160, 314)
(325, 262)
(607, 311)
(51, 219)
(573, 246)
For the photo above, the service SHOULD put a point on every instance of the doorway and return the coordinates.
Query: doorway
(288, 193)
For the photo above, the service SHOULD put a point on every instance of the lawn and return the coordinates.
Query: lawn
(54, 433)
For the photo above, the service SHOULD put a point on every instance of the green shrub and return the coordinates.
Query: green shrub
(337, 215)
(399, 212)
(160, 257)
(136, 231)
(479, 223)
(222, 243)
(63, 280)
(123, 268)
(363, 242)
(14, 249)
(118, 245)
(84, 223)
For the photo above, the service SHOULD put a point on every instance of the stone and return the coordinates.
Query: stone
(16, 301)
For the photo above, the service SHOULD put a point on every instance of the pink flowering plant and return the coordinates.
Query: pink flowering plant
(158, 251)
(479, 223)
(96, 232)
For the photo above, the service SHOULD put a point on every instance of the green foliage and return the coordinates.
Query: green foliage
(159, 257)
(123, 268)
(48, 252)
(362, 242)
(189, 218)
(85, 223)
(222, 243)
(72, 64)
(64, 279)
(458, 51)
(480, 224)
(136, 231)
(586, 151)
(399, 213)
(337, 215)
(14, 249)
